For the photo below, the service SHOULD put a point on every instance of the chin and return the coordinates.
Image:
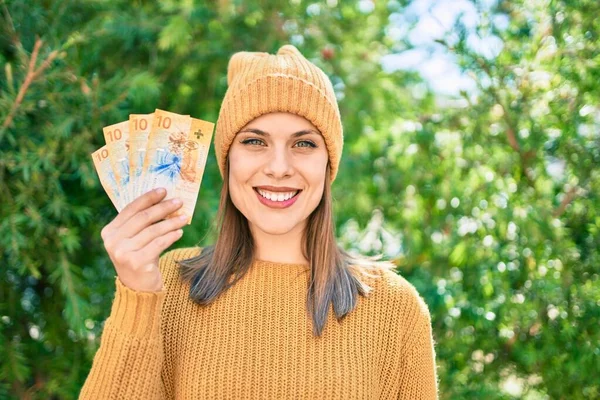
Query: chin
(276, 226)
(276, 229)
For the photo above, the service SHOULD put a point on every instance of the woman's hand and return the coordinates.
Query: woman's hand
(135, 239)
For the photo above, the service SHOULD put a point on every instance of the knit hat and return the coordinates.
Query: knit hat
(260, 83)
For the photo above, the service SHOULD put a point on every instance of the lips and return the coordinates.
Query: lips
(277, 204)
(277, 196)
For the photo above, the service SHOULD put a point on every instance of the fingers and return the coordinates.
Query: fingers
(143, 202)
(146, 217)
(157, 230)
(158, 245)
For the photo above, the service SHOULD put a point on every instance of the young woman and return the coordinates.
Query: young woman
(274, 309)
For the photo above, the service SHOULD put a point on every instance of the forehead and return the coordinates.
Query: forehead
(281, 123)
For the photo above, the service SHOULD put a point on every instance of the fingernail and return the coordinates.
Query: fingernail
(176, 201)
(183, 217)
(160, 190)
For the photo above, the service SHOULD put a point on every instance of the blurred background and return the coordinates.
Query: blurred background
(471, 159)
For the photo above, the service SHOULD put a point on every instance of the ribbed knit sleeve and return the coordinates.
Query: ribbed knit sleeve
(418, 379)
(128, 363)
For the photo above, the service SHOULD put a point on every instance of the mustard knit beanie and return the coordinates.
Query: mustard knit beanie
(260, 83)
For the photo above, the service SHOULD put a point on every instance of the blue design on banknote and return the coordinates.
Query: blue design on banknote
(140, 163)
(123, 166)
(112, 181)
(169, 165)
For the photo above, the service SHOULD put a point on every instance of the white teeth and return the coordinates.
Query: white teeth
(277, 196)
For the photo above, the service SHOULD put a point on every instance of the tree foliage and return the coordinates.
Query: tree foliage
(487, 202)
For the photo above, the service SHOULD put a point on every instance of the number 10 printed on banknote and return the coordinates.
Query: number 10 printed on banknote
(162, 149)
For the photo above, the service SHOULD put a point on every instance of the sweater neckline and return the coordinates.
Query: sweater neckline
(280, 265)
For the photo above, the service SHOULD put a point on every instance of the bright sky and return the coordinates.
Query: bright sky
(431, 20)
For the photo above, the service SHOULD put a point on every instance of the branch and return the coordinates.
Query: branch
(32, 74)
(510, 132)
(10, 25)
(511, 127)
(116, 101)
(569, 197)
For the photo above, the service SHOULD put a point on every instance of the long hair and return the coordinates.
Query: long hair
(334, 273)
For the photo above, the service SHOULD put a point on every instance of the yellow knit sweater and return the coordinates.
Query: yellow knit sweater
(255, 341)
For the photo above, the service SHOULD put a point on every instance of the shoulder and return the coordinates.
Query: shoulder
(404, 296)
(401, 306)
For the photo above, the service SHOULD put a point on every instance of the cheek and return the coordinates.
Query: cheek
(315, 171)
(236, 177)
(237, 196)
(238, 167)
(242, 164)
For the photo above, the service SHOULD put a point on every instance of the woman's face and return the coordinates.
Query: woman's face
(274, 157)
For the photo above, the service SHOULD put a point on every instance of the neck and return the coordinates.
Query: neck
(283, 248)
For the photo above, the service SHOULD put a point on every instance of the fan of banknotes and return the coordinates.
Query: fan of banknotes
(161, 149)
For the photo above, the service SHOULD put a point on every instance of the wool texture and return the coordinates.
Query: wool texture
(255, 341)
(260, 83)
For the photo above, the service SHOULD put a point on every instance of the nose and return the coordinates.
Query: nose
(279, 163)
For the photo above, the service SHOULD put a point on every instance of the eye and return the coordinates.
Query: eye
(254, 141)
(308, 142)
(251, 141)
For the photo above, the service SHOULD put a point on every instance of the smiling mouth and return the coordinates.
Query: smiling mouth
(277, 196)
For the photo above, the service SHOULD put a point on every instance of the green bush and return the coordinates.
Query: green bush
(488, 203)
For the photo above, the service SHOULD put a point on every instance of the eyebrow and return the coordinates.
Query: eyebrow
(263, 133)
